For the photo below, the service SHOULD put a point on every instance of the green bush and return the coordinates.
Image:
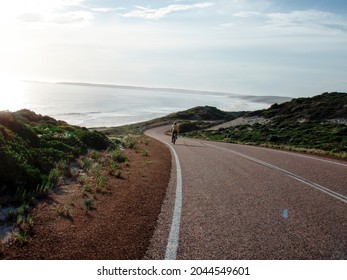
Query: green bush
(328, 137)
(118, 156)
(31, 146)
(188, 126)
(87, 203)
(94, 140)
(129, 142)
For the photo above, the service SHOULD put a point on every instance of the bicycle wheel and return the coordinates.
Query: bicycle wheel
(174, 137)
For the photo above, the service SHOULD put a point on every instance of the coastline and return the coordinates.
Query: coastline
(103, 105)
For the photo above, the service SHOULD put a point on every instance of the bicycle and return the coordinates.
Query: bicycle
(174, 137)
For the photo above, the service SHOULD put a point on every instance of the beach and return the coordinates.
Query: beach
(95, 105)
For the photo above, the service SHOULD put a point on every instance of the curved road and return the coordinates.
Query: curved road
(244, 202)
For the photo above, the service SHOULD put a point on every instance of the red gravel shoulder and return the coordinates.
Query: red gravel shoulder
(120, 222)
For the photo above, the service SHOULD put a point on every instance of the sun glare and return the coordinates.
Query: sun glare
(11, 94)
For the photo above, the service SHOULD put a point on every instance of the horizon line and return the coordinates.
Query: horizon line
(159, 89)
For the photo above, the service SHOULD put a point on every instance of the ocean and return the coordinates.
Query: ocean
(91, 105)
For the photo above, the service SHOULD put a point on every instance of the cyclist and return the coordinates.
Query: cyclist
(174, 132)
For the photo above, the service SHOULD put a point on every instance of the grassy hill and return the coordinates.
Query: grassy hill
(206, 113)
(32, 145)
(324, 107)
(316, 124)
(199, 117)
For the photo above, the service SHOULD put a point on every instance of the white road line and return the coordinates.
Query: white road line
(296, 154)
(173, 240)
(172, 244)
(290, 174)
(310, 157)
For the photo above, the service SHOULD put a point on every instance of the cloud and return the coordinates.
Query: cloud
(72, 19)
(30, 17)
(299, 22)
(80, 18)
(246, 14)
(43, 6)
(100, 10)
(148, 13)
(311, 19)
(43, 13)
(64, 3)
(297, 17)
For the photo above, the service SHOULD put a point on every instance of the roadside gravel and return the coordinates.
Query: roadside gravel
(120, 223)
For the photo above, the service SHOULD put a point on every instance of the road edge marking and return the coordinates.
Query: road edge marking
(294, 153)
(325, 190)
(172, 243)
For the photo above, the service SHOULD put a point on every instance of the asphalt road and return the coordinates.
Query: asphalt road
(244, 202)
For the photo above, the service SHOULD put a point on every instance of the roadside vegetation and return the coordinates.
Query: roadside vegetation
(36, 150)
(198, 117)
(102, 190)
(41, 156)
(310, 137)
(314, 125)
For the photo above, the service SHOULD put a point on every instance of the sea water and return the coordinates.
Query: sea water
(96, 106)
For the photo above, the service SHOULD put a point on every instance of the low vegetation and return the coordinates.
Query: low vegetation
(91, 171)
(315, 125)
(200, 117)
(311, 137)
(320, 108)
(32, 146)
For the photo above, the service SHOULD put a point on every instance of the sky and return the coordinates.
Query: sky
(253, 47)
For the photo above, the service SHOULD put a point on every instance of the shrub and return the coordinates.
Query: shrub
(118, 156)
(43, 190)
(86, 164)
(21, 238)
(188, 126)
(54, 176)
(119, 174)
(96, 170)
(101, 181)
(87, 204)
(113, 167)
(63, 211)
(31, 145)
(145, 153)
(95, 140)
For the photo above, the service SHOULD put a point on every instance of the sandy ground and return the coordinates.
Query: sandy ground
(241, 121)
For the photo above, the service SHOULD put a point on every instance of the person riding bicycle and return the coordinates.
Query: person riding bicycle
(174, 132)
